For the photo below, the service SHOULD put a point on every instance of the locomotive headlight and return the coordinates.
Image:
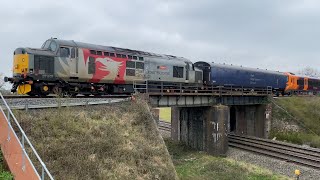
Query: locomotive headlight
(22, 59)
(16, 66)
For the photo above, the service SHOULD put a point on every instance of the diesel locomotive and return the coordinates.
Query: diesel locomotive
(67, 67)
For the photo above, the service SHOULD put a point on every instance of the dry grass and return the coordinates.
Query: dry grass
(194, 165)
(99, 142)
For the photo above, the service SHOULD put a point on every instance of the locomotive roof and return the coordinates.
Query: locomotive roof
(234, 67)
(116, 49)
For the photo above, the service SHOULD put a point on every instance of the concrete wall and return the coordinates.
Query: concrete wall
(202, 128)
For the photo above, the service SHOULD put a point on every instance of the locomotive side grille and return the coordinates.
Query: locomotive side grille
(43, 64)
(130, 72)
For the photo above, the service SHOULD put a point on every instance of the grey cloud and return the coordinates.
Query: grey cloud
(279, 35)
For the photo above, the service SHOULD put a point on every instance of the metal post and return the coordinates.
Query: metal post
(26, 107)
(42, 173)
(23, 155)
(9, 125)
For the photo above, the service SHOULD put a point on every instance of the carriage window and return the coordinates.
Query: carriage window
(139, 65)
(130, 64)
(177, 72)
(64, 52)
(123, 56)
(106, 54)
(129, 56)
(135, 57)
(112, 55)
(99, 53)
(93, 52)
(119, 55)
(92, 66)
(130, 72)
(141, 58)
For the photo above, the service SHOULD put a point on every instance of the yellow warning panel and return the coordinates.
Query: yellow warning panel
(24, 89)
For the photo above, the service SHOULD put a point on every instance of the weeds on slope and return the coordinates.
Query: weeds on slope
(304, 117)
(99, 142)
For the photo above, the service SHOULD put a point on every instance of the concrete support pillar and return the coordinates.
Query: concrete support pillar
(260, 119)
(267, 125)
(217, 130)
(202, 128)
(250, 118)
(175, 123)
(241, 123)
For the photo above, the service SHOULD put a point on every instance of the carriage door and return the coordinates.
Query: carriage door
(73, 64)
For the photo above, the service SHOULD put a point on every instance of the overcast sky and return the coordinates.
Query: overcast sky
(279, 35)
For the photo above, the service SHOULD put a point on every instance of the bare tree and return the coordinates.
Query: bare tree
(309, 71)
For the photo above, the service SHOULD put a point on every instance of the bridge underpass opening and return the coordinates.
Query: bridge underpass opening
(233, 119)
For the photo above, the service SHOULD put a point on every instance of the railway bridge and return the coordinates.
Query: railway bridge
(202, 119)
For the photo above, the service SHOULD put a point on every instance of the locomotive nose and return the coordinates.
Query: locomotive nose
(20, 62)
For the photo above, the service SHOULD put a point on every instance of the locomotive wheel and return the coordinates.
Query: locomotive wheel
(58, 91)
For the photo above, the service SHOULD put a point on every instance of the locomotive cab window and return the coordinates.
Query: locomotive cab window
(177, 72)
(73, 53)
(53, 46)
(64, 52)
(99, 53)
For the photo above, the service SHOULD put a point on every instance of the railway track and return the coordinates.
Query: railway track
(54, 96)
(280, 150)
(165, 126)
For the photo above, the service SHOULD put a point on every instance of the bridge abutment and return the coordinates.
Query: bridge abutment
(202, 128)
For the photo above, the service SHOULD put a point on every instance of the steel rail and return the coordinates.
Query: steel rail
(54, 96)
(281, 150)
(306, 156)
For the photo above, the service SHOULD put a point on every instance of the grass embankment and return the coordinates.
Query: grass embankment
(193, 165)
(165, 114)
(303, 127)
(99, 142)
(4, 174)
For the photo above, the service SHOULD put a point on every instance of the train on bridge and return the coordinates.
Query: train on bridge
(67, 67)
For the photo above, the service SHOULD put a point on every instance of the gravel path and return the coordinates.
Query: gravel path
(274, 165)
